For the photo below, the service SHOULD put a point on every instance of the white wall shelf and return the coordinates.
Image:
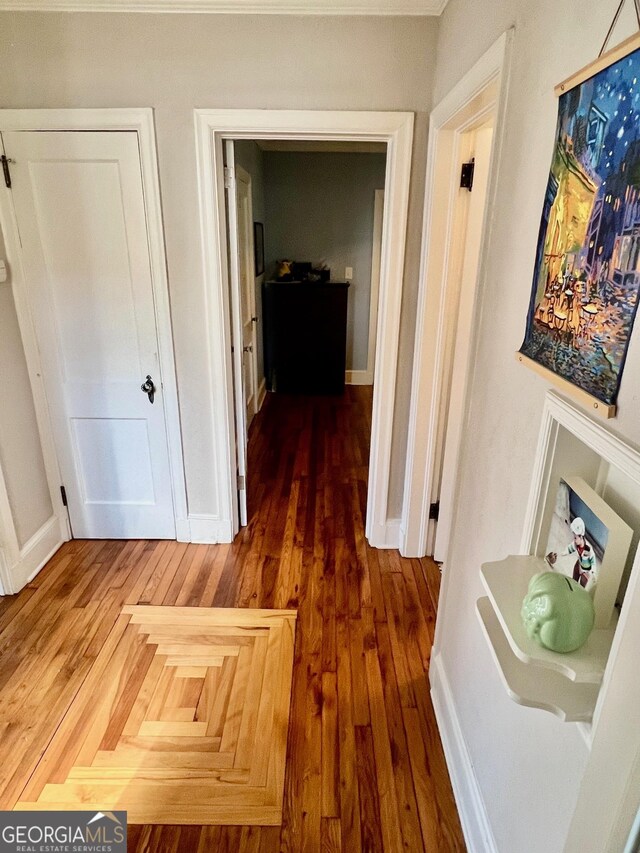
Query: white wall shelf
(506, 583)
(571, 686)
(531, 685)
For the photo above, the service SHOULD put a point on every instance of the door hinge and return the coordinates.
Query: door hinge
(241, 483)
(434, 511)
(466, 174)
(5, 168)
(228, 177)
(63, 494)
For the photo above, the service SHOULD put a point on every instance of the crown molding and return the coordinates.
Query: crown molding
(378, 8)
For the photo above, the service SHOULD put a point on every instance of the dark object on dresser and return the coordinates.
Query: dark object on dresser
(305, 336)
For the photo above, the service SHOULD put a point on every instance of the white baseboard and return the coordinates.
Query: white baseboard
(386, 536)
(358, 377)
(262, 392)
(4, 572)
(183, 530)
(402, 542)
(209, 529)
(34, 554)
(471, 808)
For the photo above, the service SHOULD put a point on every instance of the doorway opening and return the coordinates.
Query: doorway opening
(304, 239)
(475, 149)
(464, 142)
(214, 128)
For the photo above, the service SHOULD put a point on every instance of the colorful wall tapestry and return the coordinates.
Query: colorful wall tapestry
(587, 272)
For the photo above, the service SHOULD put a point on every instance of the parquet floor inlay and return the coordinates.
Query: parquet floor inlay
(182, 720)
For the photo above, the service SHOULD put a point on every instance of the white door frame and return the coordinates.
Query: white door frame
(141, 122)
(396, 130)
(456, 113)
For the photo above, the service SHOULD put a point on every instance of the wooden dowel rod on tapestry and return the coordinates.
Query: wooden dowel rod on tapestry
(608, 58)
(603, 410)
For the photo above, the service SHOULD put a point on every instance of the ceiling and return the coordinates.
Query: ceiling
(248, 7)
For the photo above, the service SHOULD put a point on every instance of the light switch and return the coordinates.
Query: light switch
(348, 273)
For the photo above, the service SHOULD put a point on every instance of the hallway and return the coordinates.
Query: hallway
(365, 768)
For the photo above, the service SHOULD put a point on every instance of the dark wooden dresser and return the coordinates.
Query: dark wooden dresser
(305, 336)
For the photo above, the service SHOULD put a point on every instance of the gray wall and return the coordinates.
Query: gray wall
(528, 764)
(175, 63)
(20, 453)
(319, 208)
(250, 157)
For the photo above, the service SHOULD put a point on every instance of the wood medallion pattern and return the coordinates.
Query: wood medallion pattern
(182, 719)
(365, 769)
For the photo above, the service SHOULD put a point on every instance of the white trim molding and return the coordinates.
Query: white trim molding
(396, 130)
(209, 529)
(358, 377)
(18, 565)
(387, 535)
(37, 552)
(378, 8)
(466, 789)
(450, 118)
(139, 120)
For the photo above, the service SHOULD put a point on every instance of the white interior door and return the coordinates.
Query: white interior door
(462, 335)
(246, 271)
(79, 205)
(243, 326)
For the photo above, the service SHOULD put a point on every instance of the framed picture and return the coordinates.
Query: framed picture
(587, 268)
(588, 542)
(258, 247)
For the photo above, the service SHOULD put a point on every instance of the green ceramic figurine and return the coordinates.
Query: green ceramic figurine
(557, 612)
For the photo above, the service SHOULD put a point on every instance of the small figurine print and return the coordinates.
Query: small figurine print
(588, 543)
(584, 571)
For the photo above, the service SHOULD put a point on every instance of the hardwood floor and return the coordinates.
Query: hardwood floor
(365, 768)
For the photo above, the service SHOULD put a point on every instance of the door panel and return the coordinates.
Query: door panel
(79, 205)
(89, 276)
(113, 460)
(453, 407)
(243, 310)
(247, 292)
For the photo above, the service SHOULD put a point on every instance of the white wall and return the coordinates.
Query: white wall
(20, 453)
(319, 208)
(251, 158)
(528, 764)
(175, 63)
